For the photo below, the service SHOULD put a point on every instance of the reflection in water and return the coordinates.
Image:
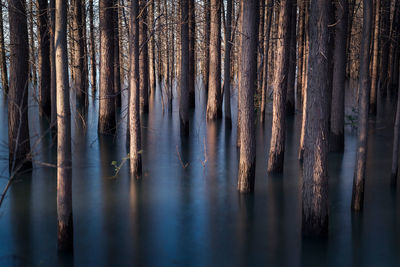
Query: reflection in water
(194, 216)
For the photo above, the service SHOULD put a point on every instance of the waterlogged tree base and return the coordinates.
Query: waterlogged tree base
(314, 225)
(65, 235)
(107, 126)
(136, 167)
(246, 178)
(336, 142)
(184, 128)
(275, 162)
(357, 199)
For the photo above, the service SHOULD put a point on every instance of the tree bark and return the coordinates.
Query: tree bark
(315, 176)
(184, 85)
(144, 58)
(152, 65)
(32, 45)
(107, 121)
(290, 100)
(277, 146)
(375, 61)
(18, 130)
(339, 78)
(134, 106)
(117, 64)
(363, 104)
(384, 45)
(3, 63)
(395, 155)
(207, 26)
(248, 83)
(227, 63)
(92, 49)
(192, 54)
(53, 83)
(64, 158)
(214, 103)
(300, 49)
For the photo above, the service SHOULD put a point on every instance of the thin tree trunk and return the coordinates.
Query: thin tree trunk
(152, 66)
(207, 26)
(395, 155)
(267, 28)
(300, 49)
(53, 83)
(339, 78)
(248, 83)
(277, 146)
(192, 54)
(32, 45)
(117, 64)
(92, 48)
(375, 61)
(315, 176)
(3, 63)
(384, 45)
(18, 131)
(260, 50)
(363, 104)
(290, 104)
(227, 63)
(107, 121)
(184, 90)
(214, 103)
(144, 58)
(64, 158)
(134, 106)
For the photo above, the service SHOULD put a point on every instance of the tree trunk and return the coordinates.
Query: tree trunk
(339, 78)
(363, 104)
(192, 53)
(53, 83)
(32, 45)
(395, 157)
(134, 106)
(375, 61)
(152, 66)
(44, 60)
(277, 147)
(184, 90)
(248, 83)
(92, 49)
(107, 121)
(290, 104)
(227, 63)
(64, 159)
(3, 63)
(315, 176)
(384, 45)
(214, 103)
(207, 26)
(117, 64)
(144, 58)
(18, 131)
(260, 49)
(267, 28)
(300, 49)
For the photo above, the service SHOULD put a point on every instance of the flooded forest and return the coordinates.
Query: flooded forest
(199, 132)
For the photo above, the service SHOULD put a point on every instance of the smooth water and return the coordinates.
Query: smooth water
(194, 216)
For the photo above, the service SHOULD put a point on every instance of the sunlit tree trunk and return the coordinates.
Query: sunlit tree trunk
(117, 64)
(315, 176)
(192, 54)
(375, 60)
(339, 77)
(107, 121)
(64, 159)
(92, 49)
(260, 49)
(134, 106)
(248, 83)
(207, 26)
(3, 63)
(277, 146)
(363, 105)
(184, 84)
(214, 103)
(32, 45)
(18, 131)
(152, 65)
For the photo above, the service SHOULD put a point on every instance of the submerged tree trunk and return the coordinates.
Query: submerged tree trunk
(315, 176)
(184, 85)
(207, 26)
(92, 49)
(192, 52)
(134, 106)
(227, 63)
(277, 146)
(214, 103)
(339, 77)
(18, 131)
(144, 58)
(64, 159)
(248, 83)
(107, 121)
(363, 104)
(290, 99)
(3, 63)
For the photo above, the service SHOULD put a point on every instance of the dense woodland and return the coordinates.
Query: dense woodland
(301, 56)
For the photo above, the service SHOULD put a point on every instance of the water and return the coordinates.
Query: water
(193, 216)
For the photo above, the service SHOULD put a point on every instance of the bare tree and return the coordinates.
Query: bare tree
(184, 84)
(92, 48)
(117, 63)
(144, 58)
(192, 53)
(207, 26)
(227, 63)
(3, 63)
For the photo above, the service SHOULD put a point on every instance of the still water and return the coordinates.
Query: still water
(193, 216)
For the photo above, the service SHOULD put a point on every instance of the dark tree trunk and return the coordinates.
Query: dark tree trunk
(248, 83)
(375, 61)
(207, 26)
(184, 84)
(53, 83)
(18, 131)
(227, 63)
(290, 104)
(107, 121)
(92, 49)
(267, 28)
(192, 54)
(384, 45)
(3, 63)
(363, 104)
(277, 147)
(134, 106)
(32, 45)
(315, 176)
(300, 49)
(144, 58)
(260, 55)
(214, 103)
(395, 155)
(339, 77)
(64, 158)
(117, 65)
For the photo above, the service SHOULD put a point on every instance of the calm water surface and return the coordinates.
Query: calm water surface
(193, 216)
